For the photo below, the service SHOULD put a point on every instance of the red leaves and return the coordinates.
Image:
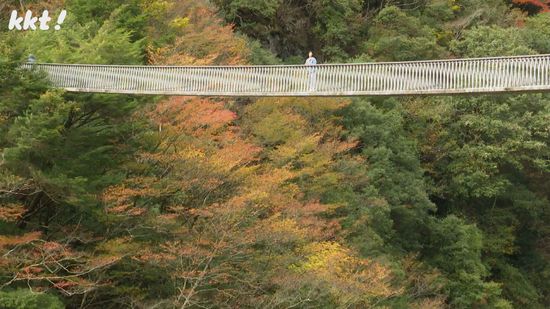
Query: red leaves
(194, 116)
(52, 246)
(223, 205)
(199, 150)
(65, 284)
(543, 5)
(32, 270)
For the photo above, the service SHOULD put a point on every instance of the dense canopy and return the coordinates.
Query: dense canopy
(119, 201)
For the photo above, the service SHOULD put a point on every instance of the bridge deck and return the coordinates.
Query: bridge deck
(457, 76)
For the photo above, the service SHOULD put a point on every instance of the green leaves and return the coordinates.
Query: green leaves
(484, 158)
(537, 32)
(392, 158)
(87, 42)
(488, 136)
(397, 36)
(455, 248)
(275, 202)
(331, 29)
(335, 21)
(266, 9)
(487, 41)
(25, 299)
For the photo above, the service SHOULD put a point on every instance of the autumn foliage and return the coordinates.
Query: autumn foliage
(541, 5)
(201, 38)
(121, 201)
(226, 214)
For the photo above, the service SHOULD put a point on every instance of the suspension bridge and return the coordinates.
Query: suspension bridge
(434, 77)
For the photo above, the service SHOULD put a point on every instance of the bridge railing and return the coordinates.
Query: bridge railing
(476, 75)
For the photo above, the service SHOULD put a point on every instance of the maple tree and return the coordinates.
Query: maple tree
(125, 201)
(226, 215)
(200, 38)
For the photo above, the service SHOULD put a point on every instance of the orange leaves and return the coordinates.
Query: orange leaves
(309, 216)
(200, 154)
(65, 284)
(9, 241)
(202, 212)
(49, 263)
(211, 124)
(194, 116)
(202, 41)
(11, 212)
(121, 198)
(52, 246)
(232, 206)
(32, 270)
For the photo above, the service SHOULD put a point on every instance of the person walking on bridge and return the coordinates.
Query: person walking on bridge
(312, 71)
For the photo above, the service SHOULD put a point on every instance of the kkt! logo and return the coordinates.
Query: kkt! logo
(29, 21)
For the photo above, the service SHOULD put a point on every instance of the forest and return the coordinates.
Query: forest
(126, 201)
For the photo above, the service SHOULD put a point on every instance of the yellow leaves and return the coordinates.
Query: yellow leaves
(278, 230)
(289, 151)
(332, 263)
(156, 8)
(235, 154)
(179, 22)
(279, 127)
(304, 135)
(187, 152)
(325, 256)
(286, 226)
(268, 189)
(272, 179)
(191, 152)
(3, 118)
